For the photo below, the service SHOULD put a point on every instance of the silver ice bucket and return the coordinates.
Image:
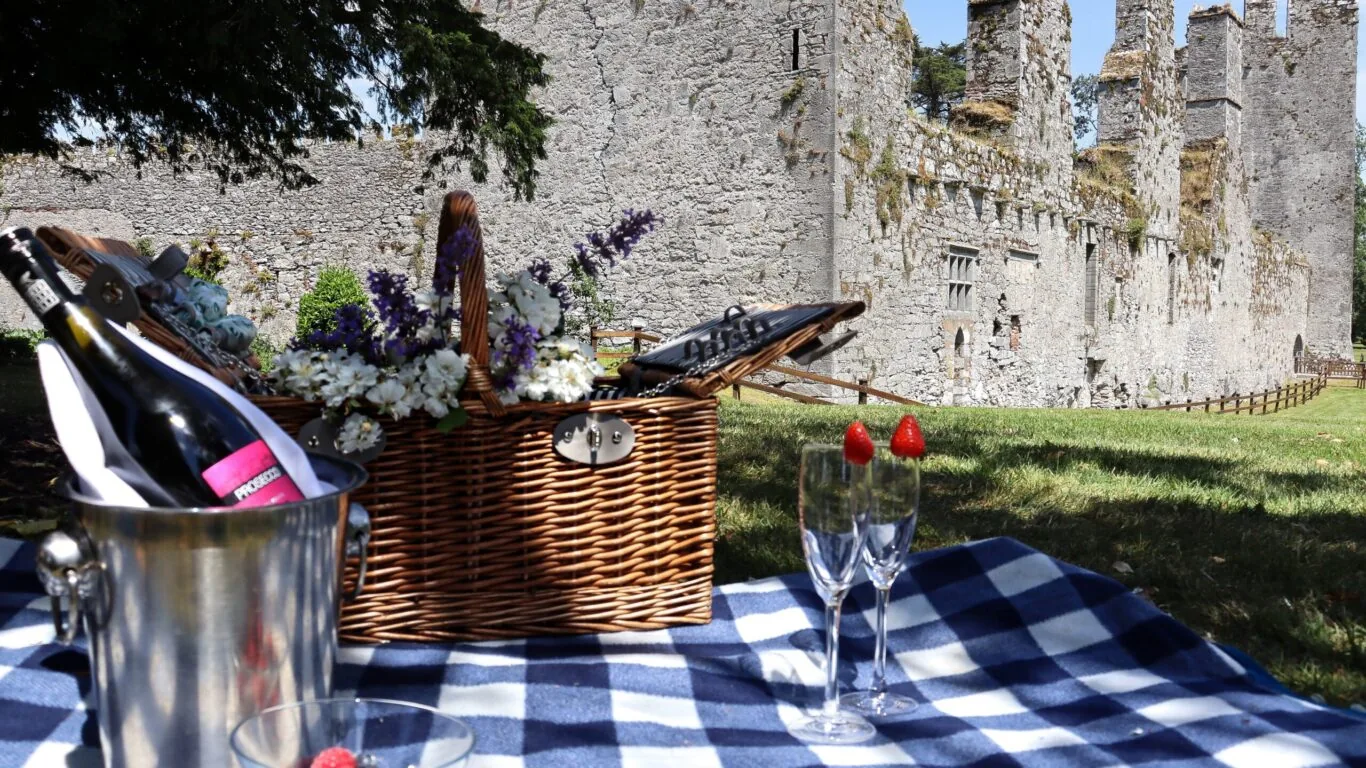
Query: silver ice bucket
(199, 618)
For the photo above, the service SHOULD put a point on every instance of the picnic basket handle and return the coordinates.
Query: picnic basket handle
(458, 210)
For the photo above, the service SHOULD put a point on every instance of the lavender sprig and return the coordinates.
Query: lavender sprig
(354, 332)
(604, 249)
(516, 353)
(540, 272)
(451, 257)
(399, 311)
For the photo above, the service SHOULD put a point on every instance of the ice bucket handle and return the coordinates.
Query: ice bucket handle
(358, 544)
(67, 568)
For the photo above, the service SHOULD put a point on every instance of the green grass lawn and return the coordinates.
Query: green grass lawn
(1252, 530)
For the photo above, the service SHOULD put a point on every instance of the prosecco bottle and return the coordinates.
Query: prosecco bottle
(171, 438)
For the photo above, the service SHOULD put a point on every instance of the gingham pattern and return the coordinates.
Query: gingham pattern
(1022, 661)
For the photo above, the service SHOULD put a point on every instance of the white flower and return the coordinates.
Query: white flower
(447, 366)
(426, 332)
(528, 299)
(346, 377)
(578, 379)
(409, 373)
(305, 377)
(428, 300)
(388, 396)
(436, 406)
(358, 434)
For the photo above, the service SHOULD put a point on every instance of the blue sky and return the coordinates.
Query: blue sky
(1093, 30)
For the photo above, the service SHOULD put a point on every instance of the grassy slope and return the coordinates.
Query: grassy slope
(1249, 529)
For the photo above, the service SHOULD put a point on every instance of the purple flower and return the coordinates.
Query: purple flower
(604, 249)
(540, 272)
(399, 311)
(516, 352)
(354, 332)
(451, 258)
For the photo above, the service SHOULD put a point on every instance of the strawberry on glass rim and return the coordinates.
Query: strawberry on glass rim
(907, 442)
(858, 446)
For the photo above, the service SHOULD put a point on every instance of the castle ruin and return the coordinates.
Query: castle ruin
(1196, 250)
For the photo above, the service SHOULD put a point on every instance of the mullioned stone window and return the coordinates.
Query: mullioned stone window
(962, 272)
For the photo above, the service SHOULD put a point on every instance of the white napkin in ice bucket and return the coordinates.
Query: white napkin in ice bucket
(80, 437)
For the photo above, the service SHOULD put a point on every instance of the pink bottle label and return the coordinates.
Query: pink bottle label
(252, 477)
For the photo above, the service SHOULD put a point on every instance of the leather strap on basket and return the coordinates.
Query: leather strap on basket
(459, 211)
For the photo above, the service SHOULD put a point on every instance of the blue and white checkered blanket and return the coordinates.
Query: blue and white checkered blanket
(1021, 660)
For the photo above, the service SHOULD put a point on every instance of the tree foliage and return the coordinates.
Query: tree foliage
(939, 78)
(1359, 250)
(233, 86)
(1085, 106)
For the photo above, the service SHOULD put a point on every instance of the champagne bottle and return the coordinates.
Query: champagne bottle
(173, 439)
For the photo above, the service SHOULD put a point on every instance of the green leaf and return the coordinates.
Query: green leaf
(455, 418)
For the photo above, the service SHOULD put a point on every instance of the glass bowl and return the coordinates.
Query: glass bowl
(380, 733)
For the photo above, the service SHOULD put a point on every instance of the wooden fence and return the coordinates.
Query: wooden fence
(638, 339)
(1333, 369)
(1271, 401)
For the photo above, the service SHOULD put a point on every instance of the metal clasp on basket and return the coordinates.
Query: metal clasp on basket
(358, 544)
(594, 439)
(67, 568)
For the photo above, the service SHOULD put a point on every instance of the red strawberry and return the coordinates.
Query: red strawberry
(858, 446)
(907, 442)
(334, 757)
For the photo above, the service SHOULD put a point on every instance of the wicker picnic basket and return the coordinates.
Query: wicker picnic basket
(486, 532)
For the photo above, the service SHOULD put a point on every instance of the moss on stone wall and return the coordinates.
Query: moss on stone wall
(890, 181)
(1104, 176)
(1201, 168)
(858, 148)
(982, 118)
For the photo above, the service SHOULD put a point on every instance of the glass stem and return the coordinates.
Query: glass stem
(832, 654)
(880, 649)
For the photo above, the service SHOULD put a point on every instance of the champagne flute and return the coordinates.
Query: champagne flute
(895, 507)
(833, 502)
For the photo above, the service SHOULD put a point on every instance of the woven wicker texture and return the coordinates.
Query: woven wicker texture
(486, 532)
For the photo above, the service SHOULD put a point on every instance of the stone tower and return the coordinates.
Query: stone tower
(1140, 109)
(1214, 76)
(1299, 122)
(1020, 78)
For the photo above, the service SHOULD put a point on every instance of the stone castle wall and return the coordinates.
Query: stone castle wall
(993, 272)
(1300, 127)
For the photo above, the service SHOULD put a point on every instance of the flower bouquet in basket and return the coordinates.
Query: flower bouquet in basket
(402, 357)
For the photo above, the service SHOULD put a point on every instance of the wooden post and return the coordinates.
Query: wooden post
(1237, 403)
(1223, 401)
(1206, 406)
(1265, 395)
(593, 340)
(862, 391)
(735, 390)
(635, 342)
(1188, 405)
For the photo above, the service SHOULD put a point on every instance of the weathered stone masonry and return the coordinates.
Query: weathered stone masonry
(1183, 257)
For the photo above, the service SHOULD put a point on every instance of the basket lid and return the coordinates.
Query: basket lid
(717, 353)
(82, 256)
